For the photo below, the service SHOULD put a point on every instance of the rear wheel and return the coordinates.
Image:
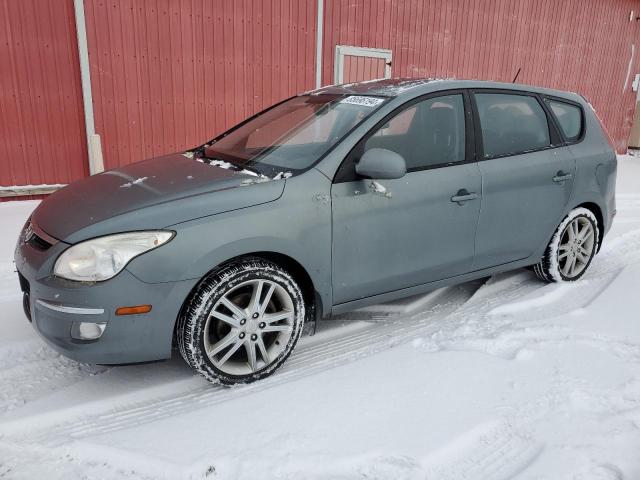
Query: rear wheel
(242, 322)
(571, 249)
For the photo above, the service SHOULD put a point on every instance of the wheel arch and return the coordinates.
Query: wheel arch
(590, 205)
(597, 211)
(298, 271)
(311, 296)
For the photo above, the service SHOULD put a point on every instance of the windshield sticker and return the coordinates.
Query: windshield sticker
(362, 101)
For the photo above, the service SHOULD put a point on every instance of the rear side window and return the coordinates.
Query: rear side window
(511, 124)
(569, 117)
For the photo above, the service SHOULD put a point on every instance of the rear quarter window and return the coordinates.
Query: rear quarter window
(511, 124)
(569, 118)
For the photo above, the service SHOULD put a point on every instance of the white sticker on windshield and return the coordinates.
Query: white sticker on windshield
(363, 101)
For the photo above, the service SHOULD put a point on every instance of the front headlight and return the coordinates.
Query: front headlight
(103, 258)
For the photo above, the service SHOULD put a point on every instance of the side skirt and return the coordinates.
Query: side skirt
(427, 287)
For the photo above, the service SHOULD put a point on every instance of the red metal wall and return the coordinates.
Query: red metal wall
(168, 75)
(358, 69)
(42, 137)
(579, 45)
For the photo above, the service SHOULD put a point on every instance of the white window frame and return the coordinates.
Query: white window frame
(344, 50)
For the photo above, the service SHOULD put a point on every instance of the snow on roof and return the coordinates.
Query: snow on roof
(392, 87)
(383, 86)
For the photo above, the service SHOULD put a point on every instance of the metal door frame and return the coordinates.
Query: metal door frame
(344, 50)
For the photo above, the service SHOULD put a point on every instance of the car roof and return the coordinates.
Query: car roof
(411, 87)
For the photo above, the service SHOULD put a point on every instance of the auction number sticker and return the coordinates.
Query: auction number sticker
(363, 101)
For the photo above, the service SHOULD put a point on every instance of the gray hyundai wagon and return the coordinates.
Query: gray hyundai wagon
(329, 201)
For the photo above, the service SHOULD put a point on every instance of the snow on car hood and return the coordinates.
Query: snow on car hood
(154, 193)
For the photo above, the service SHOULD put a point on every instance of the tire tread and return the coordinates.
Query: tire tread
(544, 269)
(192, 317)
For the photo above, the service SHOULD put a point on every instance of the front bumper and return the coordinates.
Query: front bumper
(54, 304)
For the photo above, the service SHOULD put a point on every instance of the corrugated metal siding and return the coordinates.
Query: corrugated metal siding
(586, 46)
(42, 136)
(168, 75)
(358, 69)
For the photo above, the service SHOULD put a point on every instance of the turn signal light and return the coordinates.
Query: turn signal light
(136, 310)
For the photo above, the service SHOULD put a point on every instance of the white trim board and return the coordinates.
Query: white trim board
(348, 50)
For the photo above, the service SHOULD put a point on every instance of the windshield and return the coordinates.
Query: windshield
(294, 135)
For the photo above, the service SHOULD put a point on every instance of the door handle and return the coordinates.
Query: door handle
(463, 196)
(562, 176)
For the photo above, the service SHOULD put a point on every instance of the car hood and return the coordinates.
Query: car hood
(151, 194)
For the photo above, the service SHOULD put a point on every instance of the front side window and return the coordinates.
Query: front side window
(511, 124)
(293, 135)
(569, 117)
(429, 133)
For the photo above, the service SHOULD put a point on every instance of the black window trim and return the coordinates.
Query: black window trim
(565, 139)
(555, 138)
(343, 174)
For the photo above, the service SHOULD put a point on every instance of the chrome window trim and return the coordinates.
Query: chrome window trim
(73, 310)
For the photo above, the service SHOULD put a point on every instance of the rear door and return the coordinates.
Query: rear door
(527, 175)
(414, 229)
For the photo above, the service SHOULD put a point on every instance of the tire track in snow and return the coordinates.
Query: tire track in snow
(448, 303)
(307, 360)
(461, 316)
(512, 331)
(457, 313)
(493, 451)
(508, 324)
(31, 370)
(548, 301)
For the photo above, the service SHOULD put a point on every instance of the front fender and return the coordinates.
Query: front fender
(297, 225)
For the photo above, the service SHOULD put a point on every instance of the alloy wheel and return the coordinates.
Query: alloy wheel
(249, 327)
(576, 247)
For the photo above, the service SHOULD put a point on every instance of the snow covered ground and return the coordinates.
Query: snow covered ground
(496, 379)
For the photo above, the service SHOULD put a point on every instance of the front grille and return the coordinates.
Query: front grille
(26, 305)
(37, 242)
(26, 297)
(24, 283)
(30, 237)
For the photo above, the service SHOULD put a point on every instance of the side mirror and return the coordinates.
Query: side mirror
(381, 164)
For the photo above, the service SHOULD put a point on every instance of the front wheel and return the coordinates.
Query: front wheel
(572, 248)
(242, 322)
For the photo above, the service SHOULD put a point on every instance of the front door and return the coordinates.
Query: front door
(393, 234)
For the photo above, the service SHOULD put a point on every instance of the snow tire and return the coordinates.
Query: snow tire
(548, 269)
(190, 331)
